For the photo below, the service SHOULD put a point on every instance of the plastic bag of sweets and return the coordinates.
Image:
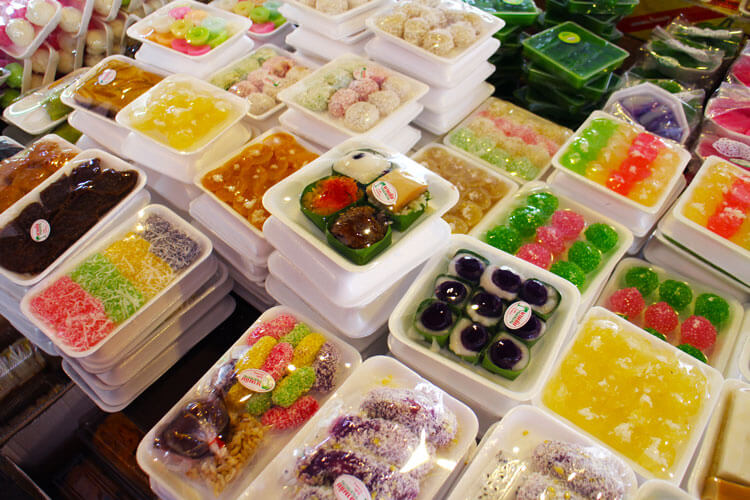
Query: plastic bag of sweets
(725, 39)
(712, 142)
(240, 414)
(683, 60)
(729, 110)
(739, 72)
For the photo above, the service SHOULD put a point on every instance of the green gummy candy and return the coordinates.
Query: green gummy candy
(258, 403)
(525, 220)
(99, 277)
(293, 386)
(523, 168)
(504, 238)
(677, 294)
(656, 333)
(642, 278)
(712, 307)
(546, 202)
(570, 271)
(586, 147)
(602, 236)
(463, 138)
(585, 255)
(497, 157)
(693, 351)
(299, 332)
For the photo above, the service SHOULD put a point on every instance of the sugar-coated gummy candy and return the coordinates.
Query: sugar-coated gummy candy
(237, 396)
(677, 294)
(307, 349)
(602, 236)
(258, 403)
(570, 272)
(656, 334)
(256, 356)
(174, 246)
(504, 238)
(699, 332)
(525, 220)
(293, 386)
(294, 416)
(326, 366)
(278, 360)
(546, 202)
(276, 328)
(712, 307)
(535, 253)
(693, 351)
(642, 278)
(295, 336)
(661, 317)
(550, 238)
(628, 302)
(568, 223)
(585, 255)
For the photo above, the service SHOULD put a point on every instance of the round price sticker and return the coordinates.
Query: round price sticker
(569, 37)
(256, 380)
(347, 487)
(517, 315)
(40, 230)
(106, 77)
(384, 192)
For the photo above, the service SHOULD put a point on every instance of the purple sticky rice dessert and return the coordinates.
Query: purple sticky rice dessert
(485, 308)
(171, 244)
(653, 115)
(542, 298)
(530, 332)
(501, 281)
(468, 339)
(326, 366)
(467, 265)
(451, 290)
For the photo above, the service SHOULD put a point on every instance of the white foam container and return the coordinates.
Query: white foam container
(277, 37)
(657, 489)
(731, 257)
(114, 400)
(441, 123)
(313, 44)
(490, 25)
(370, 375)
(356, 322)
(252, 293)
(174, 483)
(436, 75)
(472, 382)
(515, 437)
(442, 100)
(496, 216)
(657, 94)
(9, 309)
(40, 34)
(165, 302)
(639, 218)
(178, 194)
(704, 456)
(714, 380)
(726, 339)
(28, 113)
(166, 333)
(333, 26)
(743, 349)
(101, 131)
(125, 205)
(662, 251)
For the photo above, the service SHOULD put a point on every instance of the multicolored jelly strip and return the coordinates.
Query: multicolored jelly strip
(276, 328)
(299, 332)
(293, 386)
(731, 213)
(256, 356)
(278, 360)
(307, 349)
(294, 416)
(586, 147)
(637, 165)
(326, 366)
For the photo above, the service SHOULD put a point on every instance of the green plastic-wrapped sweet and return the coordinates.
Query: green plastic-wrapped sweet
(258, 403)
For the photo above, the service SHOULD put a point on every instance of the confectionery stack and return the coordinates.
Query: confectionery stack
(600, 18)
(328, 29)
(445, 44)
(569, 72)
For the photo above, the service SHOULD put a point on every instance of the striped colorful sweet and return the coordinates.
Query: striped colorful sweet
(83, 307)
(720, 202)
(637, 165)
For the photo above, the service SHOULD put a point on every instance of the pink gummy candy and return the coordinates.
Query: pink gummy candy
(179, 12)
(568, 223)
(627, 301)
(698, 332)
(263, 27)
(550, 238)
(180, 45)
(199, 50)
(661, 317)
(297, 414)
(276, 328)
(536, 254)
(278, 360)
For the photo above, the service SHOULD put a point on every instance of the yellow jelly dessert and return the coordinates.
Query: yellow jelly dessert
(639, 398)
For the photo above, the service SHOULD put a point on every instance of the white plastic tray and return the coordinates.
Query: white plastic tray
(123, 333)
(375, 372)
(252, 293)
(335, 27)
(439, 100)
(656, 489)
(515, 437)
(101, 131)
(595, 281)
(9, 310)
(125, 205)
(174, 483)
(490, 25)
(714, 380)
(114, 400)
(445, 77)
(441, 123)
(743, 346)
(472, 382)
(729, 256)
(704, 456)
(311, 43)
(356, 322)
(631, 213)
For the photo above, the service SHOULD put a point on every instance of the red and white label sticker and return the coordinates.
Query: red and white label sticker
(40, 230)
(517, 315)
(256, 380)
(347, 487)
(107, 76)
(384, 192)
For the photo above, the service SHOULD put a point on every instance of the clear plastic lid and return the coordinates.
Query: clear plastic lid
(25, 25)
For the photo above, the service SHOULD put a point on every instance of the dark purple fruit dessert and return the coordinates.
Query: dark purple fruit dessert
(502, 281)
(468, 339)
(542, 298)
(451, 290)
(485, 308)
(197, 430)
(434, 321)
(506, 356)
(467, 265)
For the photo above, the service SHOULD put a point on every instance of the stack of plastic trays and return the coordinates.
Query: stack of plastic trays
(329, 29)
(128, 305)
(195, 60)
(451, 57)
(335, 280)
(709, 226)
(599, 17)
(622, 171)
(352, 96)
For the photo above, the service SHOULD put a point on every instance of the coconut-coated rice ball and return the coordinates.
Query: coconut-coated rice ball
(361, 116)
